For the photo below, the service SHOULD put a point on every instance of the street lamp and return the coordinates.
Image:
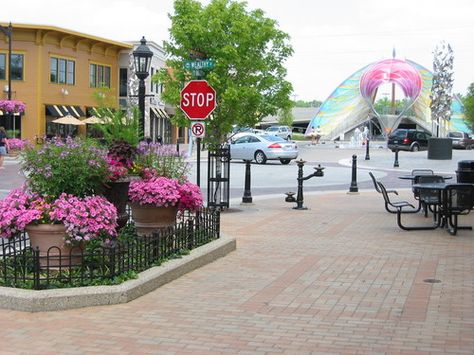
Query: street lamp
(141, 62)
(7, 31)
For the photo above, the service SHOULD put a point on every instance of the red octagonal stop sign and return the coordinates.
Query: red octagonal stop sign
(198, 99)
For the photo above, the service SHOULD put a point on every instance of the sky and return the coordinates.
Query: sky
(331, 39)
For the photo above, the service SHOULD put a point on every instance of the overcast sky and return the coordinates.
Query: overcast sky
(331, 39)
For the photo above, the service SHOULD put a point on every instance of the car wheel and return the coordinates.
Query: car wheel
(260, 157)
(285, 161)
(415, 148)
(469, 147)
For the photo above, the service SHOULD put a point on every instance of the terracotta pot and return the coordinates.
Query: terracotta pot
(49, 239)
(117, 193)
(150, 218)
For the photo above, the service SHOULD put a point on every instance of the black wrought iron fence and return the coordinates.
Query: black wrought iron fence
(22, 266)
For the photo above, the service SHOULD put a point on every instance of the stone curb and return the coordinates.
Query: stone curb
(147, 281)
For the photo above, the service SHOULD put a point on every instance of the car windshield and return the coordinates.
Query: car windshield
(271, 129)
(399, 133)
(273, 138)
(455, 134)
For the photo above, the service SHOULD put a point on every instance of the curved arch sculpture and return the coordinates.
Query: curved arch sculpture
(351, 103)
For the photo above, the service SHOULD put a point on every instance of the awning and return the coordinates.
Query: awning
(5, 113)
(62, 110)
(93, 111)
(159, 113)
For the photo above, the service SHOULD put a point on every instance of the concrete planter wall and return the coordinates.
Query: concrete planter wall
(440, 148)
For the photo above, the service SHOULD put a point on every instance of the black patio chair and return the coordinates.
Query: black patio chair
(397, 205)
(377, 188)
(429, 199)
(459, 201)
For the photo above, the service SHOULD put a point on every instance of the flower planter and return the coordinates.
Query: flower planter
(53, 252)
(116, 193)
(150, 218)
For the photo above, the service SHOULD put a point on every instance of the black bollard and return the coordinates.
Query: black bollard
(395, 163)
(177, 146)
(367, 154)
(354, 187)
(247, 198)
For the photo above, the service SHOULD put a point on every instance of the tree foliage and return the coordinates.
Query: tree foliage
(285, 117)
(301, 103)
(468, 102)
(249, 52)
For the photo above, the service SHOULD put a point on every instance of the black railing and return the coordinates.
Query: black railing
(22, 266)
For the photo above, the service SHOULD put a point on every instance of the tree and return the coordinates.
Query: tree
(313, 103)
(285, 117)
(249, 51)
(468, 102)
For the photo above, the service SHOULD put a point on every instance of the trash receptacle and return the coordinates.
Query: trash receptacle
(465, 172)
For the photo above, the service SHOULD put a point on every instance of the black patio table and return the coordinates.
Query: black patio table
(413, 177)
(445, 216)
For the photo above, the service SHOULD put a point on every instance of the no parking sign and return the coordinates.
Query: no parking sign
(198, 129)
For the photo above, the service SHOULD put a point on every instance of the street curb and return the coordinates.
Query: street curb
(147, 281)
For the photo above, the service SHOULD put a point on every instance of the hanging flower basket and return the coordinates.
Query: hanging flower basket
(12, 106)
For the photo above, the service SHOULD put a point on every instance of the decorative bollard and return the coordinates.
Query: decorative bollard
(367, 154)
(395, 163)
(247, 198)
(354, 187)
(299, 197)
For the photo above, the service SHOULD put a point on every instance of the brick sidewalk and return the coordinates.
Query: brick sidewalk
(340, 277)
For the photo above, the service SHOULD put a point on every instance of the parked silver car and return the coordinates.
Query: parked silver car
(280, 131)
(262, 148)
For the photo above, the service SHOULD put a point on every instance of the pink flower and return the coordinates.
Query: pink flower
(162, 191)
(85, 218)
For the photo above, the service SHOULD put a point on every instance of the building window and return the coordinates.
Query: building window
(17, 67)
(123, 74)
(3, 61)
(99, 75)
(62, 71)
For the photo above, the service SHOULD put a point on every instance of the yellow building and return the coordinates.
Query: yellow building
(55, 72)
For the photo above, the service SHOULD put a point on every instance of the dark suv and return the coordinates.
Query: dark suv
(408, 139)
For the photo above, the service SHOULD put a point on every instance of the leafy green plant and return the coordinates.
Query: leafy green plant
(77, 167)
(118, 126)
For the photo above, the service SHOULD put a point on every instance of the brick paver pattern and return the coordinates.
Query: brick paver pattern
(339, 278)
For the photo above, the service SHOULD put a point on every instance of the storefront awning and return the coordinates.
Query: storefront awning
(93, 111)
(5, 114)
(159, 113)
(62, 110)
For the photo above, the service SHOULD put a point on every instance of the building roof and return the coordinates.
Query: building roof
(300, 115)
(58, 30)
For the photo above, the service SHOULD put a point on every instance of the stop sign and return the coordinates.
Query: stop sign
(198, 99)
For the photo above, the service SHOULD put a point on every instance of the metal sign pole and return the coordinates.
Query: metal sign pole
(198, 165)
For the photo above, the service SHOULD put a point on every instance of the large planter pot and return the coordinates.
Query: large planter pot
(116, 192)
(151, 218)
(53, 252)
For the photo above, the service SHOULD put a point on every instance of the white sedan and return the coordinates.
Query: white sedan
(262, 148)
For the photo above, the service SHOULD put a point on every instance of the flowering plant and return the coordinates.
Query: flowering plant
(12, 106)
(158, 191)
(165, 192)
(17, 144)
(77, 167)
(117, 170)
(85, 218)
(155, 160)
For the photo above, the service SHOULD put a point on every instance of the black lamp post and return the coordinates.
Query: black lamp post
(141, 61)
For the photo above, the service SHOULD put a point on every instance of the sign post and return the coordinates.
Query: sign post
(198, 100)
